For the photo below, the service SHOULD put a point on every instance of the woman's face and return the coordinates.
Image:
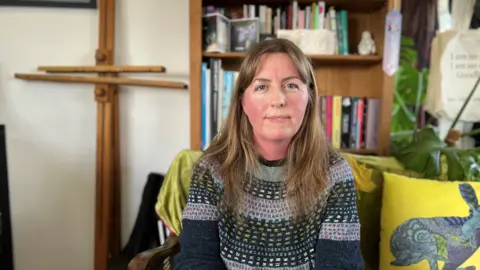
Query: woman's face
(276, 100)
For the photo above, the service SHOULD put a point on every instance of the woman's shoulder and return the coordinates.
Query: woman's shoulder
(207, 166)
(339, 170)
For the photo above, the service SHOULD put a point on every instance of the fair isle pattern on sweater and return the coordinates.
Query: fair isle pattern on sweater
(267, 237)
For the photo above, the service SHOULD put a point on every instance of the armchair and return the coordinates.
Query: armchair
(173, 194)
(170, 203)
(160, 258)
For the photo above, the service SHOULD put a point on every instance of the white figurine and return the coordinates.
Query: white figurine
(366, 45)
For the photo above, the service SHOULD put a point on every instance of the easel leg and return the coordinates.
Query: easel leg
(107, 224)
(117, 190)
(105, 229)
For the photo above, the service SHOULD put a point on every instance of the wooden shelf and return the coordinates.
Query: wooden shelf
(336, 75)
(350, 5)
(327, 59)
(360, 151)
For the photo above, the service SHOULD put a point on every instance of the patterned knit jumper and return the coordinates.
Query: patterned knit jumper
(267, 237)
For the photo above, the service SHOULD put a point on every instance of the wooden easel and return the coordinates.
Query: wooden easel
(107, 81)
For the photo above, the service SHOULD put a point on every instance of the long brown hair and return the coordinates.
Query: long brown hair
(308, 154)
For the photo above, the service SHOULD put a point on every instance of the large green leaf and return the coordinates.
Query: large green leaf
(403, 118)
(469, 160)
(423, 154)
(410, 90)
(408, 54)
(456, 170)
(406, 78)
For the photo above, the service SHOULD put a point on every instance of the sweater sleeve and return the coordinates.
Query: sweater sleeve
(338, 246)
(199, 239)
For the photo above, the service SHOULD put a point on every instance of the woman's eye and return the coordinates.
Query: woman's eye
(260, 87)
(292, 86)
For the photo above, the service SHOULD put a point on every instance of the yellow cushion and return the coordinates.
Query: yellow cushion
(427, 223)
(174, 191)
(367, 172)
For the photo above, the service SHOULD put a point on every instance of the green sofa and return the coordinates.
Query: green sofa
(367, 171)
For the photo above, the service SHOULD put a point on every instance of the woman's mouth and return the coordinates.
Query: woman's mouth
(278, 118)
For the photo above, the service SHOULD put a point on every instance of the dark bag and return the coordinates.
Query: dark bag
(144, 235)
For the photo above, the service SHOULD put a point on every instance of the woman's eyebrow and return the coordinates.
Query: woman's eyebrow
(284, 79)
(290, 77)
(261, 80)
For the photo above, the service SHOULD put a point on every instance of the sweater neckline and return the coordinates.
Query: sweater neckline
(272, 163)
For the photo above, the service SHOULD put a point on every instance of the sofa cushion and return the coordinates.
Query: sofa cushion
(174, 191)
(368, 175)
(429, 224)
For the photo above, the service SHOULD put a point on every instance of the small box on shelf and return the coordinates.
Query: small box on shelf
(216, 28)
(244, 33)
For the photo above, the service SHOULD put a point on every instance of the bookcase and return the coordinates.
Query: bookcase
(351, 75)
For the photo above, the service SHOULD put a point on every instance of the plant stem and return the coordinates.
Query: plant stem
(471, 133)
(404, 108)
(465, 104)
(419, 97)
(402, 133)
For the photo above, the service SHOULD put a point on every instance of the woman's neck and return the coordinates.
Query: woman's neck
(272, 150)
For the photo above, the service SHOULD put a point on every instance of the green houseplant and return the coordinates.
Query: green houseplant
(409, 94)
(435, 158)
(420, 149)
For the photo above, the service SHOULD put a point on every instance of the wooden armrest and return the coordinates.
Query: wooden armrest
(157, 258)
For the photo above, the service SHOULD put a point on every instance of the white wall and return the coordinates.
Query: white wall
(51, 126)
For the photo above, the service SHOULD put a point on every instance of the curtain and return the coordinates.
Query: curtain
(420, 23)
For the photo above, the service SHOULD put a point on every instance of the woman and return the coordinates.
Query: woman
(270, 192)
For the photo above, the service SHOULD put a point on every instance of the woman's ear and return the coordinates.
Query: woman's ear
(240, 99)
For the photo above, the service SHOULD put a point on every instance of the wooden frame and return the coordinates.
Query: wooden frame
(106, 84)
(344, 75)
(49, 3)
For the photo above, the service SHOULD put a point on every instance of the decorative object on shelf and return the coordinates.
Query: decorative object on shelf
(51, 3)
(367, 44)
(216, 28)
(392, 38)
(266, 36)
(244, 33)
(311, 41)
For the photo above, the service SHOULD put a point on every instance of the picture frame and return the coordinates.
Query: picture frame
(92, 4)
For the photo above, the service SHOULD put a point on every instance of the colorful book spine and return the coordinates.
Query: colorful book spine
(350, 122)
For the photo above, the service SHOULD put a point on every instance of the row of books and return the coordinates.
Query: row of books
(217, 91)
(235, 28)
(349, 122)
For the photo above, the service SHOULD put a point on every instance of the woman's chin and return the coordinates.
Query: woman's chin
(279, 136)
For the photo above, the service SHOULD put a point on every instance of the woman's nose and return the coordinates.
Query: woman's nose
(278, 98)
